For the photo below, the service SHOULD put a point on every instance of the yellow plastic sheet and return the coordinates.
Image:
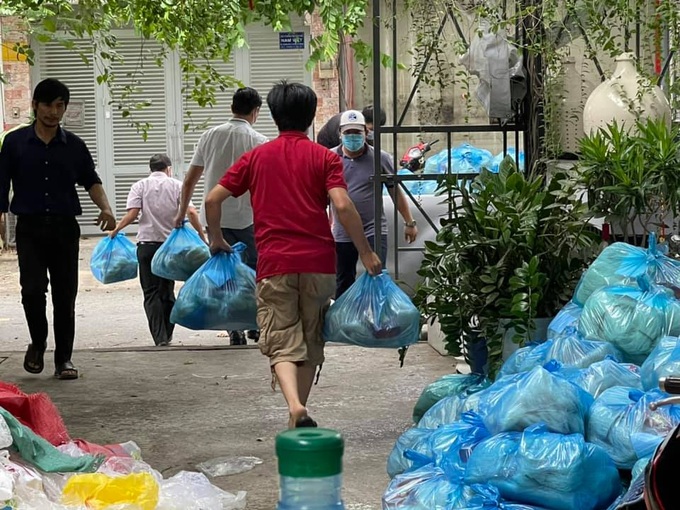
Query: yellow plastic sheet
(98, 491)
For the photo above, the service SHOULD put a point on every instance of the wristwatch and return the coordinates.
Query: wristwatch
(410, 223)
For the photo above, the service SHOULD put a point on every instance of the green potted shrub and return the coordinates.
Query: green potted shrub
(632, 177)
(510, 254)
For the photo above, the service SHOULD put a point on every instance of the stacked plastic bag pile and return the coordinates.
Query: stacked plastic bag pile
(567, 422)
(42, 468)
(465, 159)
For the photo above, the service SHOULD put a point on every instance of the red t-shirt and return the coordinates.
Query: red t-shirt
(288, 179)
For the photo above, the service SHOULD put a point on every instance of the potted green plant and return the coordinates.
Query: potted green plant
(632, 177)
(511, 253)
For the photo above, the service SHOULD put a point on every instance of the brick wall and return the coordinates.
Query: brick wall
(325, 82)
(17, 89)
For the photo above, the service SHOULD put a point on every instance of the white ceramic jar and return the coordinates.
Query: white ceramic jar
(616, 99)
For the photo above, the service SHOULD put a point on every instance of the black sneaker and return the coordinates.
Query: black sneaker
(237, 338)
(254, 335)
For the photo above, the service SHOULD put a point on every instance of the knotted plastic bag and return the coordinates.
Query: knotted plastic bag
(621, 264)
(570, 349)
(633, 320)
(603, 375)
(114, 260)
(620, 413)
(567, 317)
(427, 488)
(663, 361)
(219, 296)
(446, 386)
(101, 491)
(182, 253)
(465, 159)
(449, 446)
(373, 312)
(397, 462)
(451, 409)
(560, 472)
(537, 396)
(487, 497)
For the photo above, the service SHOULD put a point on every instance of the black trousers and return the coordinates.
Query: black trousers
(47, 248)
(346, 258)
(159, 295)
(247, 237)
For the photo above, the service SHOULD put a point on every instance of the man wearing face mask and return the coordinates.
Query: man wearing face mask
(357, 158)
(329, 134)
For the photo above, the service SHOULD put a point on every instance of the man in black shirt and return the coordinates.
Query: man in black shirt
(43, 163)
(329, 134)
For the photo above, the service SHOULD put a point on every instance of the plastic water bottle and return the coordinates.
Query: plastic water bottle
(310, 469)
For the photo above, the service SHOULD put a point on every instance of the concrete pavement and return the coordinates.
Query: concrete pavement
(186, 406)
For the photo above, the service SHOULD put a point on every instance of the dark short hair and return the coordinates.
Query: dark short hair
(50, 89)
(159, 162)
(245, 100)
(368, 115)
(292, 105)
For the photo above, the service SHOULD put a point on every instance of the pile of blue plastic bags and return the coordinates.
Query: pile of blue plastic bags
(566, 424)
(464, 159)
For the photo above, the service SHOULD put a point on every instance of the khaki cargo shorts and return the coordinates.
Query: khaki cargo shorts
(290, 312)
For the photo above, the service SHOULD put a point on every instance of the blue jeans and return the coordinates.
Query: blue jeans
(346, 258)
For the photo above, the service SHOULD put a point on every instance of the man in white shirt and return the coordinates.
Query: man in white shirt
(217, 150)
(157, 199)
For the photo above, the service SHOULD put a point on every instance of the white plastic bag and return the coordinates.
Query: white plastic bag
(193, 491)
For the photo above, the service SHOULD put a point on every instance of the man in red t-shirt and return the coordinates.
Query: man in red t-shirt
(290, 180)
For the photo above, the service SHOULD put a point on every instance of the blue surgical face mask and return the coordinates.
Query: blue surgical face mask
(353, 142)
(369, 137)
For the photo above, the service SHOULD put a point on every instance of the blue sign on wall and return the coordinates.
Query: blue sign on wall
(291, 40)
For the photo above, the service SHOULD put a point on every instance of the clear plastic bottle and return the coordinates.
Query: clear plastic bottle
(310, 469)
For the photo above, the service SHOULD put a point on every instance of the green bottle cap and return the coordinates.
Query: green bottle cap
(309, 453)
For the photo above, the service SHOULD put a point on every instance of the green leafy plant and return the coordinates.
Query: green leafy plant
(512, 252)
(632, 176)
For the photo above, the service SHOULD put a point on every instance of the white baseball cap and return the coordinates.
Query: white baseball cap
(352, 119)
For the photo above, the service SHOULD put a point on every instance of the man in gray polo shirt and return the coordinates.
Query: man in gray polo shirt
(217, 150)
(357, 158)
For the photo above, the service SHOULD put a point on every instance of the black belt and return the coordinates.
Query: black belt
(149, 242)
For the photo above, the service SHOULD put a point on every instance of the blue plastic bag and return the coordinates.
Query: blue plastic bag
(451, 409)
(413, 438)
(374, 312)
(603, 375)
(621, 413)
(566, 318)
(633, 320)
(427, 488)
(219, 296)
(182, 253)
(570, 349)
(114, 260)
(662, 362)
(621, 264)
(498, 159)
(449, 446)
(537, 396)
(465, 159)
(640, 466)
(487, 497)
(446, 386)
(560, 472)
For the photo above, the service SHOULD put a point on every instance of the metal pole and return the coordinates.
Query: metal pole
(377, 173)
(395, 219)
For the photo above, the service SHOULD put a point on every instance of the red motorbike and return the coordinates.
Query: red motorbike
(414, 158)
(656, 489)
